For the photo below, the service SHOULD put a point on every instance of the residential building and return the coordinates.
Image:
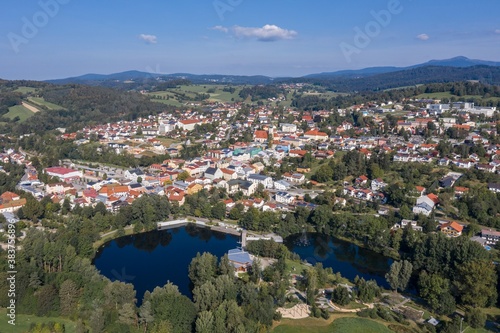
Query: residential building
(288, 128)
(284, 197)
(494, 187)
(282, 185)
(491, 236)
(425, 204)
(213, 173)
(452, 229)
(133, 174)
(260, 136)
(261, 179)
(316, 135)
(10, 202)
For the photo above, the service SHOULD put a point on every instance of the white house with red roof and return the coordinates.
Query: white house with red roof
(260, 136)
(316, 135)
(187, 124)
(64, 174)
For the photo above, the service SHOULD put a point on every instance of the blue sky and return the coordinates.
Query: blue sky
(247, 37)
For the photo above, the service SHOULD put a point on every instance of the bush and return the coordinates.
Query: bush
(400, 329)
(341, 296)
(475, 317)
(316, 312)
(385, 314)
(365, 313)
(325, 314)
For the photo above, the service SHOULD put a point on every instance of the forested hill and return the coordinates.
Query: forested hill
(409, 77)
(344, 81)
(80, 105)
(142, 80)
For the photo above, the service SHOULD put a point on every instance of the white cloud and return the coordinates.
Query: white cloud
(220, 28)
(268, 33)
(497, 31)
(150, 39)
(423, 37)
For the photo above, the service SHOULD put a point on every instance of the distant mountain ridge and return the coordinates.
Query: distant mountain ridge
(374, 78)
(95, 79)
(452, 62)
(408, 77)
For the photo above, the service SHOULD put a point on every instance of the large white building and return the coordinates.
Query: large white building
(288, 128)
(64, 174)
(188, 124)
(284, 197)
(425, 204)
(261, 179)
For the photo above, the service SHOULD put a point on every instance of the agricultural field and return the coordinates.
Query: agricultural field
(188, 93)
(39, 101)
(25, 90)
(165, 97)
(447, 94)
(18, 111)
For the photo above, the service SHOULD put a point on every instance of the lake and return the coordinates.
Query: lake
(152, 259)
(344, 257)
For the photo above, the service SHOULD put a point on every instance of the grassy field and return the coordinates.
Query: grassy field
(294, 267)
(164, 94)
(340, 325)
(190, 93)
(475, 330)
(25, 90)
(217, 94)
(167, 141)
(39, 101)
(447, 94)
(23, 323)
(18, 111)
(128, 231)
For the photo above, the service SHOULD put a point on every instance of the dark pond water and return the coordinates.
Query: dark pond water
(152, 259)
(344, 257)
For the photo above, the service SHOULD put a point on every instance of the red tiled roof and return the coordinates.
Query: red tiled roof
(60, 170)
(260, 134)
(433, 197)
(454, 225)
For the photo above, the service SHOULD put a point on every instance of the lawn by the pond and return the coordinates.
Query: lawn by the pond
(23, 323)
(341, 325)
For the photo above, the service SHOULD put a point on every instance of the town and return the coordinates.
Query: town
(259, 168)
(387, 174)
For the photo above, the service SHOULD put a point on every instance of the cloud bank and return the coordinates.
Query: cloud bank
(268, 33)
(150, 39)
(423, 37)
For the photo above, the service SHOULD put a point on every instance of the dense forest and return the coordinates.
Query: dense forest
(56, 278)
(457, 90)
(261, 92)
(83, 106)
(410, 77)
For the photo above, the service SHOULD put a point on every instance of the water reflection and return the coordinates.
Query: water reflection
(344, 257)
(155, 257)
